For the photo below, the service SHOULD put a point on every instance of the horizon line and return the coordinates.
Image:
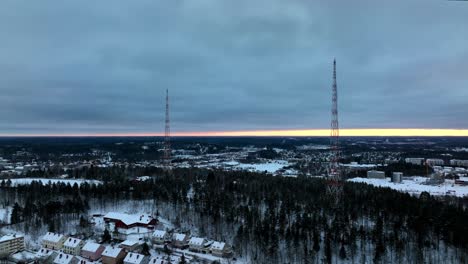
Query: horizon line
(353, 132)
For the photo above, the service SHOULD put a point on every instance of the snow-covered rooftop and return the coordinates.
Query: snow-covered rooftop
(9, 237)
(159, 233)
(196, 241)
(63, 258)
(52, 237)
(129, 243)
(72, 242)
(179, 237)
(91, 247)
(134, 258)
(111, 251)
(218, 245)
(129, 219)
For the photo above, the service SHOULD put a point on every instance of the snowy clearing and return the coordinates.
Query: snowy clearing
(270, 167)
(416, 186)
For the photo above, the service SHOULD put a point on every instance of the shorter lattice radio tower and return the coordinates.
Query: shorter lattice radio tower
(167, 134)
(335, 184)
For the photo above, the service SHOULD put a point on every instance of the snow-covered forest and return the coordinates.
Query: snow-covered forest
(267, 219)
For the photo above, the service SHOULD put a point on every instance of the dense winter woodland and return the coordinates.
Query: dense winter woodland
(267, 219)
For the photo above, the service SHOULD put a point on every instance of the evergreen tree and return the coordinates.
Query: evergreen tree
(106, 237)
(145, 249)
(342, 252)
(16, 214)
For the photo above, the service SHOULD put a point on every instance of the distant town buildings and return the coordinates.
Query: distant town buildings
(397, 177)
(456, 162)
(415, 161)
(434, 162)
(373, 174)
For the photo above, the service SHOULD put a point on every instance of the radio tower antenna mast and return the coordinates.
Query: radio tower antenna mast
(167, 134)
(335, 184)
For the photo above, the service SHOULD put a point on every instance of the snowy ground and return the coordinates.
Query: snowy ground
(5, 215)
(270, 167)
(416, 186)
(26, 181)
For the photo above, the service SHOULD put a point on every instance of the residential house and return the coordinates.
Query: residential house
(220, 249)
(63, 258)
(73, 246)
(197, 244)
(164, 259)
(124, 225)
(113, 255)
(130, 245)
(92, 251)
(180, 240)
(10, 244)
(135, 258)
(127, 221)
(53, 241)
(160, 236)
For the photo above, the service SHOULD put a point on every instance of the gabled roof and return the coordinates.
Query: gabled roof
(91, 247)
(111, 251)
(72, 242)
(134, 258)
(159, 233)
(196, 241)
(129, 243)
(179, 236)
(218, 245)
(129, 219)
(63, 258)
(52, 237)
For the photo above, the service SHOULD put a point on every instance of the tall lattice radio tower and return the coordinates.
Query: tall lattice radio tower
(335, 184)
(167, 134)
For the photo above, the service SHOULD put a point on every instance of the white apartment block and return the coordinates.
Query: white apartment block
(10, 244)
(415, 161)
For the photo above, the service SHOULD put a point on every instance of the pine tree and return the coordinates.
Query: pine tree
(106, 236)
(16, 214)
(145, 249)
(328, 250)
(342, 252)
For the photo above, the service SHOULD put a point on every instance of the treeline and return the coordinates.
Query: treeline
(293, 220)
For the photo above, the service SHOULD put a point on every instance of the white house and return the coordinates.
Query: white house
(73, 246)
(196, 244)
(53, 241)
(160, 236)
(220, 249)
(179, 240)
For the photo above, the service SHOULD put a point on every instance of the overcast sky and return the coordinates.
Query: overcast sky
(103, 66)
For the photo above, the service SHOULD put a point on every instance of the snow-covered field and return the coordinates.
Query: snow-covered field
(26, 181)
(270, 167)
(416, 186)
(5, 215)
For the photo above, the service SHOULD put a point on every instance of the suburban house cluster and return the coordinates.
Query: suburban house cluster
(194, 244)
(127, 246)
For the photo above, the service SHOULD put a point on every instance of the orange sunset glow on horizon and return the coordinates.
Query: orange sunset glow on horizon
(358, 132)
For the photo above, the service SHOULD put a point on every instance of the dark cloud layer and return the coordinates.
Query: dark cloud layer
(103, 66)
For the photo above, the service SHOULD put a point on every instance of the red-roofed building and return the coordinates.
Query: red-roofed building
(127, 221)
